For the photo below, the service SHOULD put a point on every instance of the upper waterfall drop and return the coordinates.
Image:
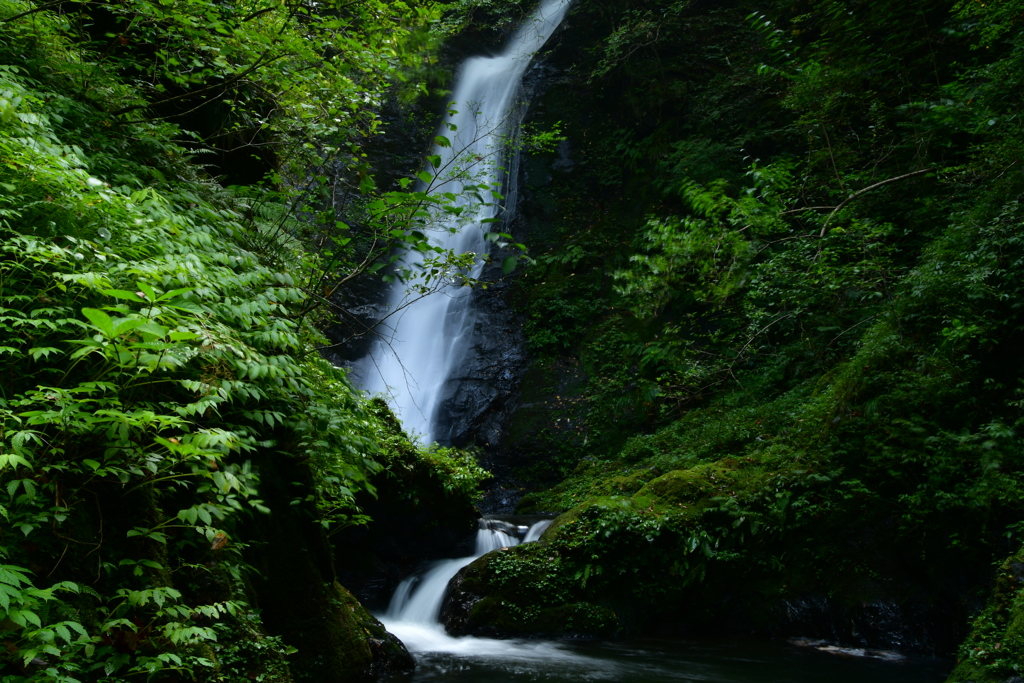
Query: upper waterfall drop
(421, 344)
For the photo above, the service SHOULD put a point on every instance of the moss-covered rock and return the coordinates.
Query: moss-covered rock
(518, 592)
(417, 513)
(994, 650)
(335, 639)
(388, 655)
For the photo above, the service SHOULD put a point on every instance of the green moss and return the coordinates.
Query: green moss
(573, 619)
(678, 486)
(572, 516)
(994, 651)
(590, 480)
(526, 592)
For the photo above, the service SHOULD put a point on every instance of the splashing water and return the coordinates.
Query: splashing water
(416, 604)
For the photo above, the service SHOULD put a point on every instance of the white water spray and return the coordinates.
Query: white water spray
(422, 343)
(418, 598)
(416, 604)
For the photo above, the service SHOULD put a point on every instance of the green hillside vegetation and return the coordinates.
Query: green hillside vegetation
(776, 321)
(174, 453)
(774, 316)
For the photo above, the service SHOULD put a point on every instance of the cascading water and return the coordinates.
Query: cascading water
(418, 598)
(423, 340)
(416, 604)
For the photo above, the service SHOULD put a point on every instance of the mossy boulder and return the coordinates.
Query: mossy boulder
(680, 486)
(415, 516)
(300, 599)
(519, 592)
(387, 653)
(494, 617)
(994, 650)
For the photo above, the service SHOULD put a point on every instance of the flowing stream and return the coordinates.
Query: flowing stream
(416, 604)
(423, 340)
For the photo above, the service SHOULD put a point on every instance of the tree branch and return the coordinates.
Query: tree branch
(806, 208)
(192, 93)
(37, 9)
(858, 193)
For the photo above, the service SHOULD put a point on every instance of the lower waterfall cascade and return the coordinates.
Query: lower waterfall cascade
(418, 598)
(415, 606)
(413, 617)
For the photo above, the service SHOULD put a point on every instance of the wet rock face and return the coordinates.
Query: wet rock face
(390, 657)
(477, 402)
(458, 605)
(883, 625)
(480, 401)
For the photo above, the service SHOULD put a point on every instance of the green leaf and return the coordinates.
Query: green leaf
(43, 351)
(126, 325)
(155, 329)
(148, 291)
(100, 320)
(123, 294)
(174, 293)
(509, 264)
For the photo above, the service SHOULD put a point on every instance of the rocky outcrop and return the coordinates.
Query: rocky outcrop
(476, 606)
(414, 520)
(460, 600)
(336, 639)
(876, 624)
(478, 401)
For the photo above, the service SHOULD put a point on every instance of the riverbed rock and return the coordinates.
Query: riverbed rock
(388, 655)
(475, 605)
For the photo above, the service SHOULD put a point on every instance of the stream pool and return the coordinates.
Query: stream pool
(479, 660)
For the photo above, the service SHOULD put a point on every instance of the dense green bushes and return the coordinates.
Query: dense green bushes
(802, 303)
(166, 424)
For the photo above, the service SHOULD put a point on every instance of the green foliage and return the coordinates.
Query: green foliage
(156, 326)
(535, 140)
(457, 471)
(466, 15)
(994, 650)
(811, 334)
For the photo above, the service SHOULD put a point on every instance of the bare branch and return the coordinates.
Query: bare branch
(858, 193)
(192, 93)
(758, 334)
(806, 208)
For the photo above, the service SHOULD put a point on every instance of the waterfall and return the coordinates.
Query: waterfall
(418, 599)
(416, 604)
(422, 341)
